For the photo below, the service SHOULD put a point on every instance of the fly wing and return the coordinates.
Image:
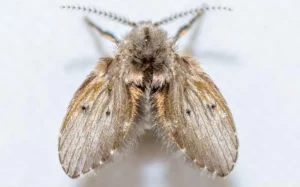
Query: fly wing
(193, 115)
(99, 120)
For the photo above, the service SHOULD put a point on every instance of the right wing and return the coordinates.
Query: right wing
(194, 116)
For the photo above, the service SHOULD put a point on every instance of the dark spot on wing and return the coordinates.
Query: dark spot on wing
(84, 107)
(211, 106)
(188, 111)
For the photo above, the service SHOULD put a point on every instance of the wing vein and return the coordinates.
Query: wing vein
(67, 135)
(89, 132)
(205, 124)
(199, 124)
(84, 126)
(94, 155)
(200, 129)
(223, 137)
(95, 104)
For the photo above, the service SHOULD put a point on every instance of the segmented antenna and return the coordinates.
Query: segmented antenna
(190, 12)
(109, 15)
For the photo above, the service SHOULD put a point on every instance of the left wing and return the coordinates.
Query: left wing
(100, 120)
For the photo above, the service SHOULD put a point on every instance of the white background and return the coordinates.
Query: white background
(252, 54)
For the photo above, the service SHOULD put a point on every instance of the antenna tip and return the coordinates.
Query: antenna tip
(208, 8)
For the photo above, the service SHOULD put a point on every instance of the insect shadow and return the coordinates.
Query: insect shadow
(88, 62)
(151, 165)
(222, 57)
